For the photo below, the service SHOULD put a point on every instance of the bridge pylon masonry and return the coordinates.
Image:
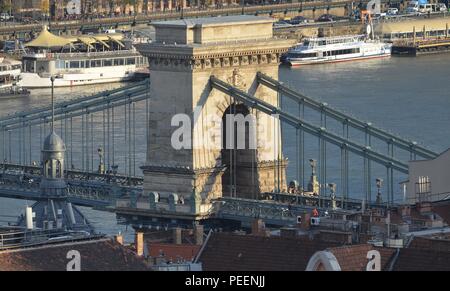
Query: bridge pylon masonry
(185, 54)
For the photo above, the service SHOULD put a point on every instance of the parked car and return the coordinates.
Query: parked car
(326, 18)
(440, 7)
(6, 17)
(392, 11)
(298, 20)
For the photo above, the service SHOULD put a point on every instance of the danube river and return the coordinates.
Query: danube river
(406, 96)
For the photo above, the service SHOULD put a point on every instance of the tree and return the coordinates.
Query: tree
(45, 6)
(6, 6)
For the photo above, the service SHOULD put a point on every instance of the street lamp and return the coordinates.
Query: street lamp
(379, 182)
(313, 164)
(52, 80)
(101, 166)
(333, 195)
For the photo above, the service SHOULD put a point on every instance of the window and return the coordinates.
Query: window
(96, 63)
(58, 170)
(75, 64)
(107, 63)
(303, 55)
(118, 62)
(131, 61)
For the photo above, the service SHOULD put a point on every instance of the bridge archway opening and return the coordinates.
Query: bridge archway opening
(239, 152)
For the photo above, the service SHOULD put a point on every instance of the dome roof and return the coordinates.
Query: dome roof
(53, 143)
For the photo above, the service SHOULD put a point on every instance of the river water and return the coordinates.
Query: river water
(407, 96)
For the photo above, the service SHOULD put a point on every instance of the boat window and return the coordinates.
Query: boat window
(131, 61)
(118, 62)
(107, 63)
(67, 65)
(96, 63)
(82, 64)
(59, 64)
(343, 52)
(306, 43)
(304, 55)
(75, 64)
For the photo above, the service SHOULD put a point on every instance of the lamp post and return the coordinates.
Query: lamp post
(379, 183)
(101, 166)
(52, 80)
(333, 195)
(313, 164)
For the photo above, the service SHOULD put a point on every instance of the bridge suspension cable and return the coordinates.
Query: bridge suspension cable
(364, 127)
(297, 122)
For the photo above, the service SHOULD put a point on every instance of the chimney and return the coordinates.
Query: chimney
(423, 207)
(258, 227)
(405, 210)
(119, 238)
(139, 242)
(198, 234)
(177, 235)
(29, 217)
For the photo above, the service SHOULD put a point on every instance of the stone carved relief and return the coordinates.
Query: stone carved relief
(207, 62)
(237, 80)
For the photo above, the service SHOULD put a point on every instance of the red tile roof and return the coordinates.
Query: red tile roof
(412, 259)
(96, 255)
(232, 252)
(173, 252)
(443, 210)
(354, 257)
(428, 243)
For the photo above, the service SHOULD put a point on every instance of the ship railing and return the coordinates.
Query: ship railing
(92, 54)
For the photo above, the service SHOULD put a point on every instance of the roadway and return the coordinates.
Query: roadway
(21, 29)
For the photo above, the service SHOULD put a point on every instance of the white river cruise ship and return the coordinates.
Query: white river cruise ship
(336, 49)
(80, 60)
(9, 72)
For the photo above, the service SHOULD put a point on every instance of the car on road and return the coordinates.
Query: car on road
(326, 18)
(392, 11)
(6, 17)
(298, 20)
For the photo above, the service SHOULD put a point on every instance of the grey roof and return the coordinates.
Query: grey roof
(212, 21)
(53, 143)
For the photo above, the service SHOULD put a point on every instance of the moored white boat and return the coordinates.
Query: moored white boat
(9, 72)
(79, 60)
(336, 49)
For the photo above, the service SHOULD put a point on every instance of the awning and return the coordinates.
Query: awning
(88, 41)
(47, 39)
(102, 42)
(117, 41)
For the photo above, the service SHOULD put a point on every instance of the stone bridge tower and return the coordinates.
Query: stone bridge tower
(182, 58)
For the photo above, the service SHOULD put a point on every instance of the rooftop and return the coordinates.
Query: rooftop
(96, 255)
(233, 252)
(173, 252)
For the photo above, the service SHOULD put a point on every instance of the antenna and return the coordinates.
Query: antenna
(52, 79)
